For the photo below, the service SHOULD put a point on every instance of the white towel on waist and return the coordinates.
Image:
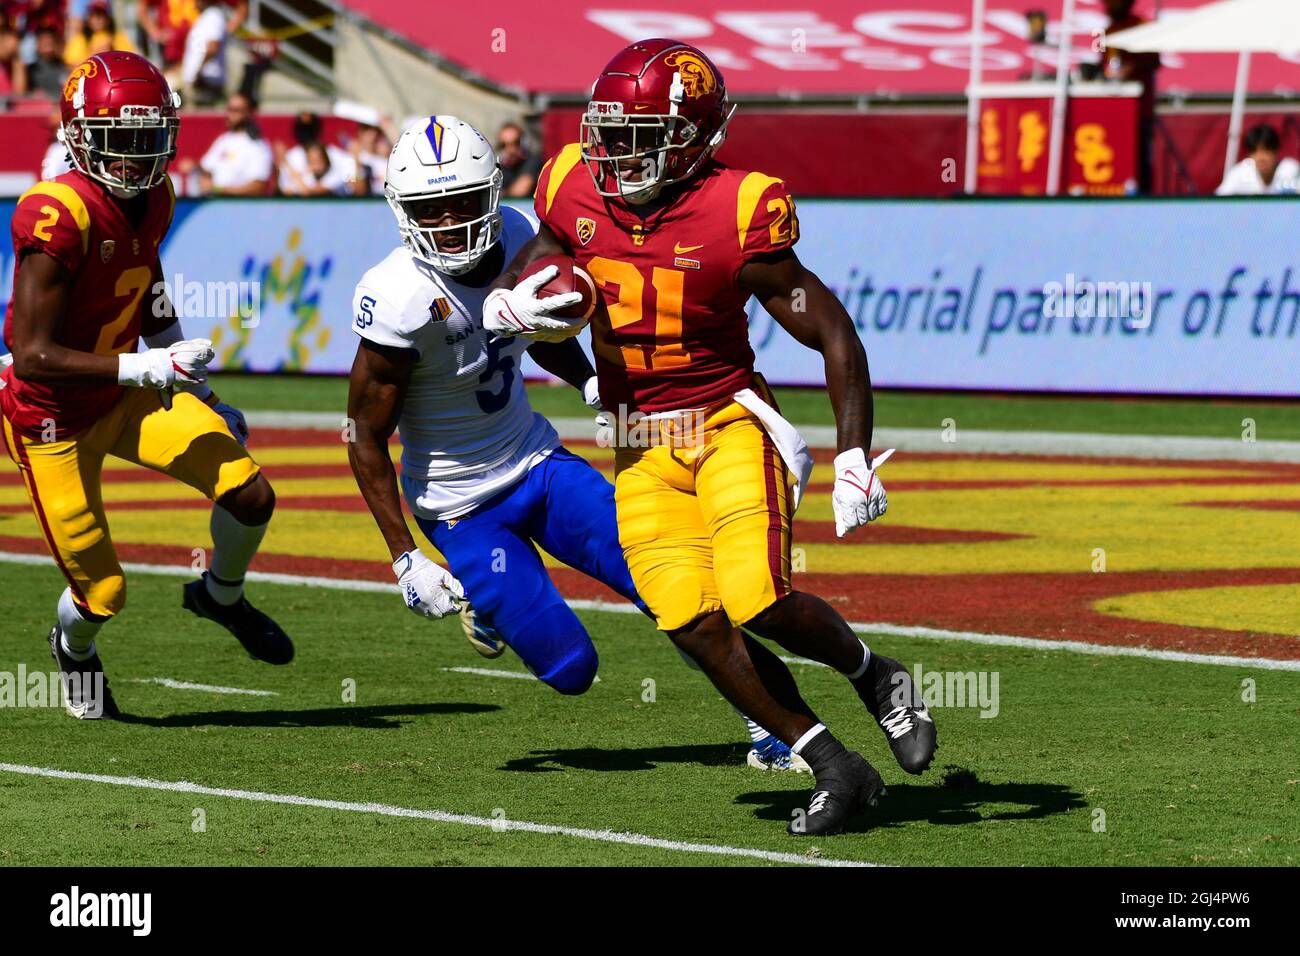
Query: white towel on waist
(794, 450)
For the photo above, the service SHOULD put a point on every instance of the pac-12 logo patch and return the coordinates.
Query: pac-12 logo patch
(106, 249)
(586, 229)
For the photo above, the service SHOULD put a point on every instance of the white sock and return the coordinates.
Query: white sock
(807, 738)
(862, 668)
(756, 731)
(234, 545)
(78, 633)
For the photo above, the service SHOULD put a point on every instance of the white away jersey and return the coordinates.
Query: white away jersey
(467, 429)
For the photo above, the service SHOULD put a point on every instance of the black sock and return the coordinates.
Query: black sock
(820, 750)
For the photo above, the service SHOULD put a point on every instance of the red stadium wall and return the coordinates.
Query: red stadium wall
(902, 153)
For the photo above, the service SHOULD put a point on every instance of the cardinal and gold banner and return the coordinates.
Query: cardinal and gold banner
(1101, 144)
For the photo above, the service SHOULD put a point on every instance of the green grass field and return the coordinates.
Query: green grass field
(1029, 783)
(896, 409)
(1091, 760)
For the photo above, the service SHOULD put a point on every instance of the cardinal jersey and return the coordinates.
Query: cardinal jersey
(112, 262)
(675, 334)
(467, 429)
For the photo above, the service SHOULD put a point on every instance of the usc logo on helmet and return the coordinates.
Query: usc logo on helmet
(697, 78)
(87, 69)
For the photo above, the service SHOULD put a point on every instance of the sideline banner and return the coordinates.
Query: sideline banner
(1155, 296)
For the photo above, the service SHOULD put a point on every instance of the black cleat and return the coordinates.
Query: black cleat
(260, 635)
(848, 786)
(85, 688)
(892, 698)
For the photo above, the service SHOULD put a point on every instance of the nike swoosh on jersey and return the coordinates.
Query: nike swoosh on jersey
(680, 249)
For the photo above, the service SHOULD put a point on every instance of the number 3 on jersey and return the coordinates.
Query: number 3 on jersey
(667, 350)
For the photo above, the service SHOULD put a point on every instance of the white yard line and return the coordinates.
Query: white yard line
(969, 441)
(437, 816)
(213, 688)
(488, 672)
(899, 630)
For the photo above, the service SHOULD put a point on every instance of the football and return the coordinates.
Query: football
(571, 278)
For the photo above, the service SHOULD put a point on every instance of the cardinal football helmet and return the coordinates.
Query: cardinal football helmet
(440, 157)
(119, 121)
(658, 111)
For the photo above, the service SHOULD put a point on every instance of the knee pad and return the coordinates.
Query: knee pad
(559, 651)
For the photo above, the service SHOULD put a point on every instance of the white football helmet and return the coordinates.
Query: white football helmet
(440, 156)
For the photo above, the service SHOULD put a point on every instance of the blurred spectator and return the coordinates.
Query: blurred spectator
(98, 34)
(55, 162)
(47, 73)
(238, 162)
(519, 167)
(321, 175)
(203, 68)
(295, 174)
(13, 72)
(1121, 66)
(166, 24)
(1261, 171)
(28, 16)
(371, 144)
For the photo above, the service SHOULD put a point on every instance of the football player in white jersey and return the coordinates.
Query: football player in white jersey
(484, 475)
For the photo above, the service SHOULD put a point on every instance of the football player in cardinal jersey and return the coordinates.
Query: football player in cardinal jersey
(484, 475)
(87, 287)
(678, 242)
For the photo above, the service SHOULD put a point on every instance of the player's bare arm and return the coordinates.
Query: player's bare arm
(376, 393)
(810, 312)
(40, 303)
(565, 360)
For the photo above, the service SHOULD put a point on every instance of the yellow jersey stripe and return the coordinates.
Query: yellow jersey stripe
(751, 189)
(66, 195)
(561, 166)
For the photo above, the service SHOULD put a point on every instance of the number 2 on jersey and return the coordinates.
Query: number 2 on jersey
(132, 282)
(668, 349)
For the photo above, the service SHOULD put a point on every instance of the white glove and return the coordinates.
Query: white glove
(591, 395)
(428, 588)
(183, 363)
(858, 496)
(518, 311)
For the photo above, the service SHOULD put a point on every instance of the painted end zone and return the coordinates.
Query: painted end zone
(1198, 557)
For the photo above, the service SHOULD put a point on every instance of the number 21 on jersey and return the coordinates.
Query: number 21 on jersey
(668, 350)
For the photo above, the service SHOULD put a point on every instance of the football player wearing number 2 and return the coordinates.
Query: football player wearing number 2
(87, 287)
(677, 243)
(484, 475)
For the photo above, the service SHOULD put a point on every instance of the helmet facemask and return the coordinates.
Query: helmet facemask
(634, 157)
(128, 153)
(476, 235)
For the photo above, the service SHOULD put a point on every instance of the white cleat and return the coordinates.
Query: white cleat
(481, 637)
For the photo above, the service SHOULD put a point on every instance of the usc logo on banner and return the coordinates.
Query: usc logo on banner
(1093, 154)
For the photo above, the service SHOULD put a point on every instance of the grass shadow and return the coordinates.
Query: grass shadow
(634, 758)
(370, 718)
(961, 798)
